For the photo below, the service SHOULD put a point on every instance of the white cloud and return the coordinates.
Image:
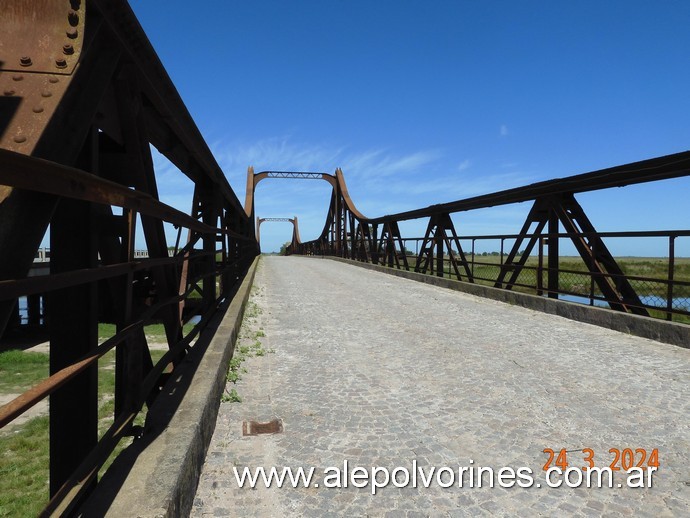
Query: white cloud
(380, 180)
(503, 130)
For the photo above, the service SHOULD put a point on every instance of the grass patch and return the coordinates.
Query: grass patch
(154, 331)
(24, 470)
(24, 450)
(243, 351)
(20, 370)
(574, 278)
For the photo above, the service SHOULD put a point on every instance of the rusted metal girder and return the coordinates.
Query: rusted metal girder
(652, 170)
(259, 221)
(254, 178)
(84, 97)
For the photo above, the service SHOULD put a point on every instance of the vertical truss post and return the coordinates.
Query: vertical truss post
(74, 333)
(439, 253)
(209, 214)
(540, 268)
(338, 222)
(373, 244)
(552, 261)
(441, 231)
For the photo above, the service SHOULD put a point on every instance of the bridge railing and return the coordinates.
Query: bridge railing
(81, 111)
(532, 259)
(663, 283)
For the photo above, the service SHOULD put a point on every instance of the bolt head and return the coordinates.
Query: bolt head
(61, 63)
(73, 18)
(72, 33)
(25, 61)
(68, 49)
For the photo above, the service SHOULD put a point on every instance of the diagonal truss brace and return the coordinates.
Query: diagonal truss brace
(440, 234)
(548, 212)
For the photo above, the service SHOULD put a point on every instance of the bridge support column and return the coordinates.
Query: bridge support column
(74, 333)
(34, 310)
(552, 263)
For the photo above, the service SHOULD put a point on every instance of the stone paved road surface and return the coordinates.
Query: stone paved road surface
(382, 371)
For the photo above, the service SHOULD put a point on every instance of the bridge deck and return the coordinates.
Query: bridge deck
(382, 371)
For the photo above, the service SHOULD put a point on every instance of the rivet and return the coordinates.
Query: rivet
(17, 77)
(53, 80)
(73, 18)
(75, 4)
(19, 139)
(25, 61)
(38, 109)
(61, 63)
(68, 49)
(46, 93)
(9, 92)
(72, 33)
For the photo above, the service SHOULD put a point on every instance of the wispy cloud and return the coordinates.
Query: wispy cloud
(380, 180)
(281, 153)
(503, 130)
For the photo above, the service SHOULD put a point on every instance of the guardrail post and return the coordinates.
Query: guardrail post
(671, 268)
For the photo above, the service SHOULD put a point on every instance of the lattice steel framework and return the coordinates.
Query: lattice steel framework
(85, 96)
(555, 215)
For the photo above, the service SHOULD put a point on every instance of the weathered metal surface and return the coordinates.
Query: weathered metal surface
(259, 221)
(257, 428)
(83, 97)
(348, 234)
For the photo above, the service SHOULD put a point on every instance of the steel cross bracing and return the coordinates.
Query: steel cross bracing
(293, 174)
(295, 225)
(85, 97)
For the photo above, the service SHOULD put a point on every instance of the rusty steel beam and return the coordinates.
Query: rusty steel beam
(652, 170)
(52, 178)
(345, 233)
(85, 96)
(294, 174)
(259, 221)
(253, 180)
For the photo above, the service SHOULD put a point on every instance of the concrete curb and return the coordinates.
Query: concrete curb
(158, 477)
(645, 327)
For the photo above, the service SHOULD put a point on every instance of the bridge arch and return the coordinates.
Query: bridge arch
(295, 228)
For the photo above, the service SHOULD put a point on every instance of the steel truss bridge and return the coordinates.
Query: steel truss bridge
(78, 116)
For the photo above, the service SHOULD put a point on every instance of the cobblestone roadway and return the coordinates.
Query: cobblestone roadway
(382, 371)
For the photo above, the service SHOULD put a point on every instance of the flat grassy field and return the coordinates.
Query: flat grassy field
(575, 280)
(24, 448)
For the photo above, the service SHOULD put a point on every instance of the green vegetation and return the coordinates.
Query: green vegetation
(154, 331)
(231, 397)
(284, 247)
(24, 470)
(575, 279)
(19, 370)
(248, 346)
(25, 447)
(487, 267)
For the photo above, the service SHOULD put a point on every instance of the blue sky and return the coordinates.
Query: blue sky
(427, 102)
